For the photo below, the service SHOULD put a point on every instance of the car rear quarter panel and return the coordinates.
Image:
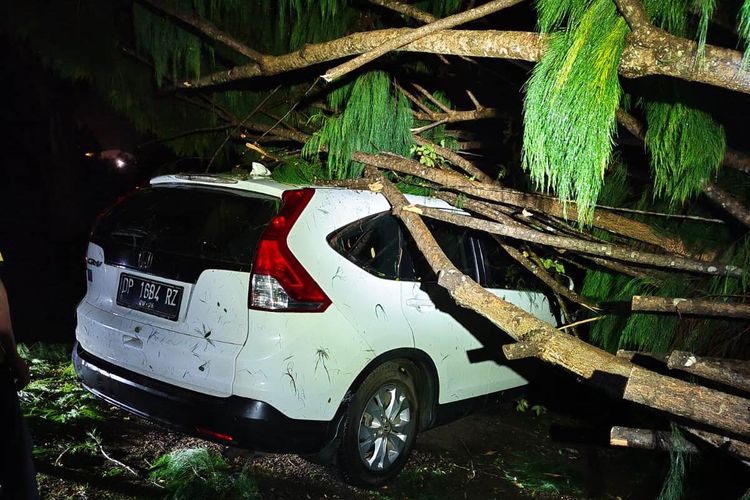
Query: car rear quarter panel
(304, 363)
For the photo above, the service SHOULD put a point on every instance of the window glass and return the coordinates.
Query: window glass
(456, 244)
(210, 224)
(500, 269)
(377, 245)
(382, 247)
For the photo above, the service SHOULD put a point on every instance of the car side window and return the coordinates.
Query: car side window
(455, 241)
(377, 245)
(500, 270)
(382, 247)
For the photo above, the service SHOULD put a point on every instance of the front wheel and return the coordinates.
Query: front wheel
(380, 427)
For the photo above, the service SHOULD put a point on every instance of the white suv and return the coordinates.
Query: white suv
(281, 318)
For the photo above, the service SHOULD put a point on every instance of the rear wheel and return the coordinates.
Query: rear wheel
(380, 427)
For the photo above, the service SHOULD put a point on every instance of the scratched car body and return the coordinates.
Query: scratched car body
(281, 318)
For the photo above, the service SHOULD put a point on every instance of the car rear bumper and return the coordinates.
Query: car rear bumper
(232, 420)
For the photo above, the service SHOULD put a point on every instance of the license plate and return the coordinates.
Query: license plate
(152, 297)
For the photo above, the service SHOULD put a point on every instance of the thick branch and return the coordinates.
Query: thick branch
(711, 190)
(541, 273)
(455, 159)
(690, 306)
(416, 34)
(527, 46)
(660, 53)
(736, 160)
(728, 202)
(692, 401)
(578, 245)
(553, 346)
(206, 28)
(656, 52)
(648, 439)
(550, 206)
(459, 116)
(734, 447)
(731, 372)
(407, 10)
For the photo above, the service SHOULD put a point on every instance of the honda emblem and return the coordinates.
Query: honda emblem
(145, 259)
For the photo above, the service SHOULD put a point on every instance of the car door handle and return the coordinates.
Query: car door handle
(132, 342)
(420, 303)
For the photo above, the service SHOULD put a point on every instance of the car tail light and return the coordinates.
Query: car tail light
(214, 434)
(278, 281)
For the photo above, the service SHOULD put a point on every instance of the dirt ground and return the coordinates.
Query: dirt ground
(499, 452)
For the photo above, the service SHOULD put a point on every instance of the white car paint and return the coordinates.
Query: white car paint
(303, 364)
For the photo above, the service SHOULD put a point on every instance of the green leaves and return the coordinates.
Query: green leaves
(374, 119)
(199, 473)
(54, 394)
(571, 101)
(687, 147)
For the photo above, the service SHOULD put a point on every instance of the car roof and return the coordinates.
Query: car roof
(265, 185)
(255, 184)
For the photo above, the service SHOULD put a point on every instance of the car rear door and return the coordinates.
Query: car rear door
(168, 278)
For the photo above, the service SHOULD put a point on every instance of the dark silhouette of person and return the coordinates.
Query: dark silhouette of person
(17, 473)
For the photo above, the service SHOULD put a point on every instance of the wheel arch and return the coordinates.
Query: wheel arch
(422, 370)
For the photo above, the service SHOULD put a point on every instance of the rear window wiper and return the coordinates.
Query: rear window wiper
(133, 233)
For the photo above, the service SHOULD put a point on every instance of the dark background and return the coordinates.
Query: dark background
(51, 192)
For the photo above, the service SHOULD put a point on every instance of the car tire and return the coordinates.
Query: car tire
(380, 426)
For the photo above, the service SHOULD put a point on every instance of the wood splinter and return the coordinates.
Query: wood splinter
(520, 350)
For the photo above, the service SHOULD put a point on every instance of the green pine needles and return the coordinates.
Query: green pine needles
(571, 101)
(687, 148)
(373, 119)
(743, 29)
(175, 52)
(199, 473)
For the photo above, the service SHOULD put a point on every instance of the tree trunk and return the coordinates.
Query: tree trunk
(691, 401)
(640, 303)
(614, 375)
(731, 372)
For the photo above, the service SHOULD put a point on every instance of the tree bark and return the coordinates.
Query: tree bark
(691, 401)
(602, 219)
(608, 372)
(711, 190)
(727, 202)
(689, 306)
(601, 249)
(416, 34)
(731, 372)
(658, 53)
(206, 28)
(734, 447)
(648, 439)
(539, 272)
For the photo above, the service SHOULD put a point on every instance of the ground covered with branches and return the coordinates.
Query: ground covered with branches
(535, 445)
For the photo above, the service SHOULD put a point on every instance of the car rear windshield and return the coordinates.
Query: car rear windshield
(211, 224)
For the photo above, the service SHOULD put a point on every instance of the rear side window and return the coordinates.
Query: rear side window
(211, 224)
(379, 245)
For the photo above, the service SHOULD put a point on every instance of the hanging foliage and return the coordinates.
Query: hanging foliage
(373, 120)
(687, 146)
(706, 11)
(175, 52)
(571, 101)
(743, 29)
